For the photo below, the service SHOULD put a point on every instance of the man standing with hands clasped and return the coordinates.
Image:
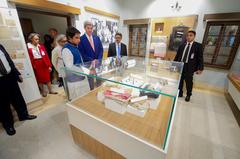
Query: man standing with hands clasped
(10, 93)
(191, 54)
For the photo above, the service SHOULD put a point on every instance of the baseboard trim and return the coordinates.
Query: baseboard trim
(207, 87)
(35, 105)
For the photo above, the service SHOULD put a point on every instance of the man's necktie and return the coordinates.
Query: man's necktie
(186, 54)
(119, 51)
(91, 43)
(3, 70)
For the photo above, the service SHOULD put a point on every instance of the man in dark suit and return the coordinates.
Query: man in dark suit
(191, 53)
(10, 93)
(117, 49)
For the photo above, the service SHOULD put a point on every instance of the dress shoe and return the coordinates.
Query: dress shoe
(53, 92)
(44, 94)
(180, 95)
(187, 99)
(28, 117)
(10, 131)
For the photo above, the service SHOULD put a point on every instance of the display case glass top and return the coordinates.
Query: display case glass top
(150, 75)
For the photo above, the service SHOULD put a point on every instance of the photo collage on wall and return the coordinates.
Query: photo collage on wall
(105, 28)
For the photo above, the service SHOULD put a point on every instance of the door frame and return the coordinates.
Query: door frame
(67, 16)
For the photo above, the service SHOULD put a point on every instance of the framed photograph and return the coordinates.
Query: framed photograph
(105, 30)
(159, 27)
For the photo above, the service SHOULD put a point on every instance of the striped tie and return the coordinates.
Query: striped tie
(3, 70)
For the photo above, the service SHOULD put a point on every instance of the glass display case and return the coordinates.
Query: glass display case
(131, 100)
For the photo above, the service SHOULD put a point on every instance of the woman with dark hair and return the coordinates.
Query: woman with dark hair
(40, 62)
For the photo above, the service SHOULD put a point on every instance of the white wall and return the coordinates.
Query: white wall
(3, 3)
(134, 9)
(41, 23)
(112, 6)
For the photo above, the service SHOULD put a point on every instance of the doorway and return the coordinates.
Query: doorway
(138, 40)
(40, 21)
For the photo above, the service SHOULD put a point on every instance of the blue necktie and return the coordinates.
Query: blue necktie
(119, 51)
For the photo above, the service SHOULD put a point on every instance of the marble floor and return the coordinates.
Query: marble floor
(204, 128)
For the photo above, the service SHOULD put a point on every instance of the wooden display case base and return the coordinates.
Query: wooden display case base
(93, 146)
(107, 134)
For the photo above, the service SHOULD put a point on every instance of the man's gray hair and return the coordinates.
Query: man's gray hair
(30, 37)
(88, 22)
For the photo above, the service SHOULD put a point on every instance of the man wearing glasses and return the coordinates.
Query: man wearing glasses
(117, 49)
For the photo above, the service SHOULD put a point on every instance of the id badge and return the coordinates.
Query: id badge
(192, 55)
(43, 53)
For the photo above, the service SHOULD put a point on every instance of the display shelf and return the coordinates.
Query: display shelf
(134, 103)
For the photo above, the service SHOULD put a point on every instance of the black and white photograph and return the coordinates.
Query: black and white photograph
(105, 30)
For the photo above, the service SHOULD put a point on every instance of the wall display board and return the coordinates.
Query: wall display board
(13, 41)
(104, 27)
(174, 29)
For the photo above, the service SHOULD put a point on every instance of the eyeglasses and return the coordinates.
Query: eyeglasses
(63, 41)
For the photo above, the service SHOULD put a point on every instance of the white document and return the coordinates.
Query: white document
(131, 63)
(117, 90)
(138, 99)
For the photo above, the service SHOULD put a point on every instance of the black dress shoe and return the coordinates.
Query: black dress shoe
(10, 131)
(28, 117)
(187, 99)
(180, 95)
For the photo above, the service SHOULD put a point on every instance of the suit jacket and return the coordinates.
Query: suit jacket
(112, 50)
(86, 50)
(44, 55)
(14, 70)
(195, 60)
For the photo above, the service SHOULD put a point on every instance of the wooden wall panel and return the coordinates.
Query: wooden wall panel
(47, 5)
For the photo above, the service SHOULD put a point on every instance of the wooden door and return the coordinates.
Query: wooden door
(220, 43)
(137, 40)
(27, 27)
